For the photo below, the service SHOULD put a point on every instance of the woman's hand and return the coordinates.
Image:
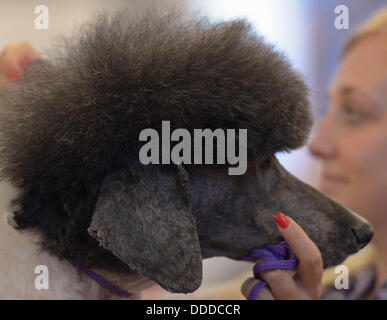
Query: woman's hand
(303, 283)
(13, 58)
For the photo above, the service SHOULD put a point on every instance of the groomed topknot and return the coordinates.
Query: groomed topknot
(80, 113)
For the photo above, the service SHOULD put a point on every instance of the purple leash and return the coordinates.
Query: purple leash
(273, 257)
(101, 281)
(278, 256)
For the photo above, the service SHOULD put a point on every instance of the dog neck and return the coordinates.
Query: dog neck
(21, 266)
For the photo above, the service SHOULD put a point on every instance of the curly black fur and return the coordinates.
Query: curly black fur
(78, 116)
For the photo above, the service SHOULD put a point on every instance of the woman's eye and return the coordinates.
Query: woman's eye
(353, 116)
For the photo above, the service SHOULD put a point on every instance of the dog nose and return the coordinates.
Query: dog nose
(363, 234)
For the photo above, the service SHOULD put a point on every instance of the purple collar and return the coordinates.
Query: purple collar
(101, 281)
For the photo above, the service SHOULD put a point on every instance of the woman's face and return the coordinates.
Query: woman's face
(351, 141)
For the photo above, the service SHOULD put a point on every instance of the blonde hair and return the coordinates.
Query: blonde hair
(376, 24)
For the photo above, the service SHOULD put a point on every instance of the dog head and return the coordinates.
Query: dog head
(69, 137)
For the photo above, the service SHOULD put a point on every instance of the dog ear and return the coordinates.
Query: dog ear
(143, 216)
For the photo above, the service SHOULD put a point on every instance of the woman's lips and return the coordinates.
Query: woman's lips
(331, 181)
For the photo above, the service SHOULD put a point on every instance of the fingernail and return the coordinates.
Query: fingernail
(281, 220)
(15, 74)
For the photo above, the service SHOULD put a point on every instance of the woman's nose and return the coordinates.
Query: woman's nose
(322, 144)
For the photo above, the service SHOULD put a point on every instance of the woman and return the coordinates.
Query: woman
(351, 143)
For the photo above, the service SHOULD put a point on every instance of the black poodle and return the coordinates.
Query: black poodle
(69, 138)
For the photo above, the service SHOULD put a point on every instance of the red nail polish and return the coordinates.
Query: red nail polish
(15, 74)
(281, 220)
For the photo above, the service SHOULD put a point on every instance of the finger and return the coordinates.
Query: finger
(13, 58)
(282, 285)
(26, 55)
(310, 268)
(264, 293)
(9, 60)
(312, 293)
(16, 56)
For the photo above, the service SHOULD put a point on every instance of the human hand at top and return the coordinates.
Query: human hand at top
(304, 283)
(13, 58)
